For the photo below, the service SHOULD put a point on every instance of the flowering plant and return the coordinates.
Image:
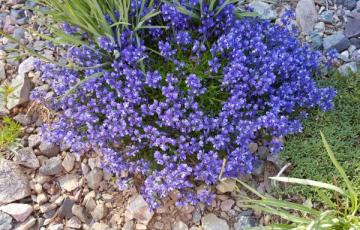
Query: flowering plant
(167, 105)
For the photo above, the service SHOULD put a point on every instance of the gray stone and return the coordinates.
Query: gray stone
(17, 14)
(316, 41)
(327, 16)
(30, 3)
(65, 210)
(39, 45)
(352, 27)
(212, 222)
(179, 225)
(355, 56)
(19, 33)
(159, 225)
(69, 182)
(226, 185)
(79, 212)
(355, 42)
(259, 167)
(5, 221)
(14, 184)
(51, 167)
(276, 160)
(336, 41)
(138, 209)
(20, 212)
(27, 225)
(26, 66)
(49, 149)
(21, 93)
(348, 4)
(226, 205)
(306, 15)
(34, 140)
(99, 212)
(94, 178)
(263, 9)
(346, 68)
(27, 158)
(23, 119)
(68, 162)
(74, 222)
(244, 222)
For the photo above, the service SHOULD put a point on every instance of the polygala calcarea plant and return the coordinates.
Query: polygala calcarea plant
(174, 87)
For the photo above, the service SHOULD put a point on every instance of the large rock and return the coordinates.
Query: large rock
(51, 167)
(306, 15)
(18, 211)
(352, 27)
(49, 149)
(5, 221)
(13, 182)
(263, 9)
(336, 41)
(212, 222)
(138, 209)
(27, 158)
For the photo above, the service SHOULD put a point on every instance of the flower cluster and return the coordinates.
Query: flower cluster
(213, 86)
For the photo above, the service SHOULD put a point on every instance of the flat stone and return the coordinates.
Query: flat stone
(65, 210)
(14, 184)
(18, 211)
(336, 41)
(49, 149)
(34, 140)
(138, 209)
(94, 177)
(99, 212)
(346, 68)
(5, 221)
(2, 70)
(51, 166)
(27, 158)
(212, 222)
(227, 185)
(22, 86)
(263, 9)
(23, 119)
(74, 222)
(179, 225)
(352, 27)
(69, 182)
(27, 225)
(226, 205)
(56, 227)
(79, 212)
(306, 15)
(68, 162)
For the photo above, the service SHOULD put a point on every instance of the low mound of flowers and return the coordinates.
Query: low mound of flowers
(169, 103)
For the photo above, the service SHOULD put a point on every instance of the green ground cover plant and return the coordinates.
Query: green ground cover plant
(342, 128)
(10, 131)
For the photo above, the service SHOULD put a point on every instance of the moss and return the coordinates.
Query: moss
(341, 126)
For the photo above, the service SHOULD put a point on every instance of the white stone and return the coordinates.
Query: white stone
(69, 182)
(138, 209)
(68, 162)
(212, 222)
(263, 9)
(2, 70)
(18, 211)
(21, 85)
(306, 15)
(26, 66)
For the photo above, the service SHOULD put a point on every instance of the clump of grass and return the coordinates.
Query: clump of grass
(342, 127)
(10, 131)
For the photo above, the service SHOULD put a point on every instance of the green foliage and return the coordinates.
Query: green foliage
(339, 215)
(89, 16)
(341, 126)
(9, 135)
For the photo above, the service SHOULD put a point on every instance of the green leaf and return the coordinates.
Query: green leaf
(309, 182)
